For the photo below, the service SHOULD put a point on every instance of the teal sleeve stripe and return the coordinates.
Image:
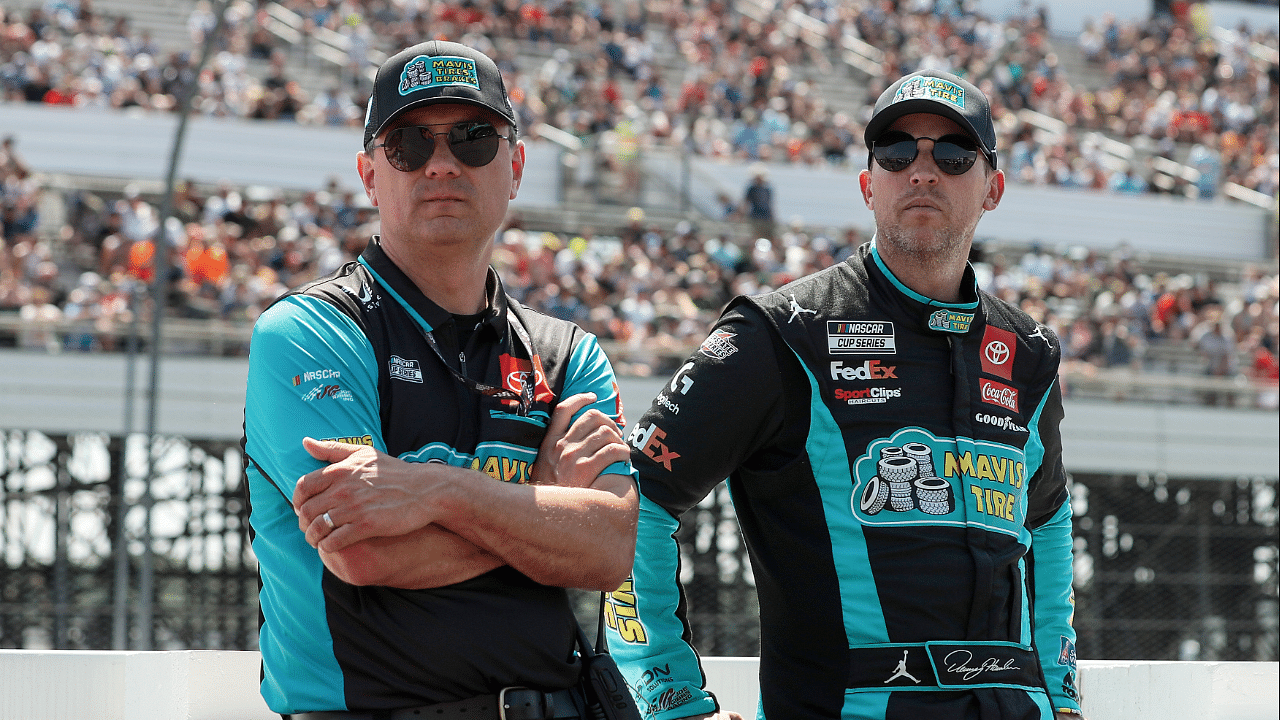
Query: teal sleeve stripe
(1034, 449)
(589, 371)
(1055, 604)
(311, 373)
(829, 458)
(647, 633)
(404, 304)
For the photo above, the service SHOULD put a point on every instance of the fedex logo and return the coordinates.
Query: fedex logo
(868, 370)
(648, 440)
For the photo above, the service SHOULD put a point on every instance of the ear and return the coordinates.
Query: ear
(364, 166)
(864, 182)
(517, 167)
(995, 190)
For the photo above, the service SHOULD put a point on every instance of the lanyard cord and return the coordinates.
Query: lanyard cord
(524, 398)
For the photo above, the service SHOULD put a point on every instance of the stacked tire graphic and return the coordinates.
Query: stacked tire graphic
(905, 480)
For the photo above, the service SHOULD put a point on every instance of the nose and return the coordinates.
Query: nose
(924, 171)
(442, 161)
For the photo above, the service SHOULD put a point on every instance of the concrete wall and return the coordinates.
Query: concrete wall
(221, 685)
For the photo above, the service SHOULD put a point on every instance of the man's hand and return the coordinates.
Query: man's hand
(363, 493)
(575, 455)
(722, 715)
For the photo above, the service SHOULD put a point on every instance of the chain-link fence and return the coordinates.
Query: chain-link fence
(1165, 569)
(67, 551)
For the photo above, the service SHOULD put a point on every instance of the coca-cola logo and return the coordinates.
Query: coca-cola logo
(995, 393)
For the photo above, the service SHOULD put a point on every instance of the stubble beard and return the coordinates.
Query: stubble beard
(922, 246)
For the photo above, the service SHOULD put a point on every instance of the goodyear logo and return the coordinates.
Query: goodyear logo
(622, 614)
(950, 321)
(916, 478)
(425, 72)
(931, 88)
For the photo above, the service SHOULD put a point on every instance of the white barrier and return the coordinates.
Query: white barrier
(223, 685)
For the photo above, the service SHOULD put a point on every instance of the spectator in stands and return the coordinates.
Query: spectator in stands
(757, 203)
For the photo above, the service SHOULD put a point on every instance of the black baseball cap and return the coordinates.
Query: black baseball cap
(436, 71)
(938, 93)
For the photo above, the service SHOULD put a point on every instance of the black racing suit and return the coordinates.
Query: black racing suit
(895, 466)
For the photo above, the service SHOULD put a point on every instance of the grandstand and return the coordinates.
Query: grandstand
(642, 120)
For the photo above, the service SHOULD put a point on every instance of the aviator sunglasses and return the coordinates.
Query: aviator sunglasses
(474, 144)
(954, 154)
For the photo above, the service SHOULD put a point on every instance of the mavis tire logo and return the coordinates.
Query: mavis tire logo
(718, 345)
(366, 440)
(917, 478)
(950, 321)
(321, 392)
(402, 369)
(996, 393)
(648, 441)
(998, 350)
(846, 337)
(622, 614)
(869, 370)
(316, 375)
(1001, 421)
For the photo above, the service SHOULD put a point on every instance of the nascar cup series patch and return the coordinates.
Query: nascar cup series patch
(426, 71)
(931, 88)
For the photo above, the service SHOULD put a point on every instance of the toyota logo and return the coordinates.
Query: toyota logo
(997, 352)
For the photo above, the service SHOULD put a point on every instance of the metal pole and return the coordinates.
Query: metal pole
(160, 263)
(120, 621)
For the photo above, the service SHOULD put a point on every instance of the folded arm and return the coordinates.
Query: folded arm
(424, 525)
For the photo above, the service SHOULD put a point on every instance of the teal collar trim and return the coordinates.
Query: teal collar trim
(875, 254)
(387, 286)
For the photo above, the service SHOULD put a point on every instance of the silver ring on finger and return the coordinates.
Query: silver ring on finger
(329, 521)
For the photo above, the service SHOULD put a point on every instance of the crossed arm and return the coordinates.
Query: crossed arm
(423, 525)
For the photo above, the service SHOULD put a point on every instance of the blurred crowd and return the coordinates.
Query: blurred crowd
(693, 74)
(651, 292)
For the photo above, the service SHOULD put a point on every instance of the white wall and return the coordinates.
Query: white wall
(223, 685)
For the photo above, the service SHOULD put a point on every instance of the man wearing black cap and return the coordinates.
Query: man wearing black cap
(430, 464)
(890, 435)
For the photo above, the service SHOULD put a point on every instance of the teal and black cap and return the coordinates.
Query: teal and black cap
(434, 72)
(938, 93)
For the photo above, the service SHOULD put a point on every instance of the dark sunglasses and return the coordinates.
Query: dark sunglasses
(954, 154)
(474, 144)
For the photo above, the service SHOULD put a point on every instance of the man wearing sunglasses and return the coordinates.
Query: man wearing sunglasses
(430, 463)
(890, 436)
